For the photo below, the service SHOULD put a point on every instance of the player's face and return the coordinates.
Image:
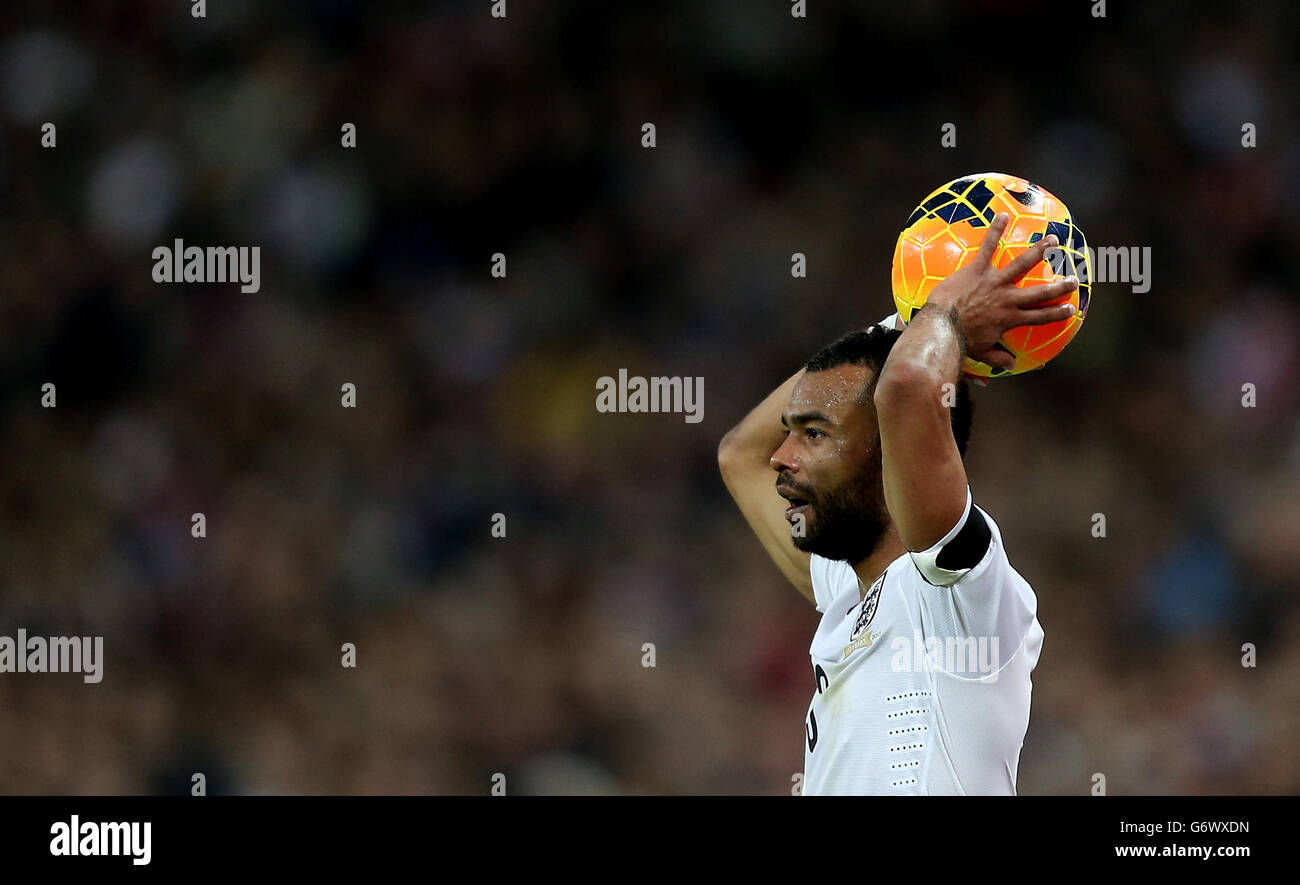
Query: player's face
(829, 467)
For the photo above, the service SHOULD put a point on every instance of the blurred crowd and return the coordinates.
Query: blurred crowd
(524, 655)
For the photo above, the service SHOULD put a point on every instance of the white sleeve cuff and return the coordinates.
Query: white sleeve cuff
(926, 560)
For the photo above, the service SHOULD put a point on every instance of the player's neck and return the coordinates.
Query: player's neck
(890, 548)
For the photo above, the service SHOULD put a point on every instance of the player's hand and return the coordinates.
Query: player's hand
(988, 302)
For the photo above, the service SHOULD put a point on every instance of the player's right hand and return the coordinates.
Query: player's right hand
(989, 303)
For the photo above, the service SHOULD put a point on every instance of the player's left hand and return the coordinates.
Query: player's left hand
(989, 303)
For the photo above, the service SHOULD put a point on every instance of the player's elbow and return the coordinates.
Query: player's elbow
(905, 382)
(733, 465)
(727, 453)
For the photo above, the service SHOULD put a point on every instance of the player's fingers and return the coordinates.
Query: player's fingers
(1039, 316)
(1028, 258)
(998, 358)
(1031, 295)
(989, 245)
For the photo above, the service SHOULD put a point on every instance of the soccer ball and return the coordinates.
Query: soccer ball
(944, 233)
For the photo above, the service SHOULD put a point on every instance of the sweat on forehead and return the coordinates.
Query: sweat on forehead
(831, 392)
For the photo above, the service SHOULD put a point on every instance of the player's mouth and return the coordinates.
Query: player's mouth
(797, 505)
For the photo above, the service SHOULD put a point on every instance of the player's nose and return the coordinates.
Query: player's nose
(783, 458)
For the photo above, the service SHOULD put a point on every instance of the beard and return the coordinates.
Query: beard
(847, 522)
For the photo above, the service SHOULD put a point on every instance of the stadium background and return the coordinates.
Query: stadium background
(476, 395)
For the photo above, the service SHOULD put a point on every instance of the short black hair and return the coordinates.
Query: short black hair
(870, 347)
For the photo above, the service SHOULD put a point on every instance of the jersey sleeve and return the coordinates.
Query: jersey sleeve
(959, 552)
(973, 592)
(826, 575)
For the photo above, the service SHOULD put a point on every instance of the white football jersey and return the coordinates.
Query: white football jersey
(923, 681)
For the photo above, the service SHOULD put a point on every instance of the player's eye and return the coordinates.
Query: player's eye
(813, 433)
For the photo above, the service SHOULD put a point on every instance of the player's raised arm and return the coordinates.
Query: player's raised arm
(924, 478)
(744, 457)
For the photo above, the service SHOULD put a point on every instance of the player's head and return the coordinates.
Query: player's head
(829, 466)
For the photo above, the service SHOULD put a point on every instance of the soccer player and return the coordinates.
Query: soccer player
(928, 636)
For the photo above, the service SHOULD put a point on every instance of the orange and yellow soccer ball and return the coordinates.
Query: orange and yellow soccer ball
(944, 234)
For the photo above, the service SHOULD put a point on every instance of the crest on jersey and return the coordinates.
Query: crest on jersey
(869, 605)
